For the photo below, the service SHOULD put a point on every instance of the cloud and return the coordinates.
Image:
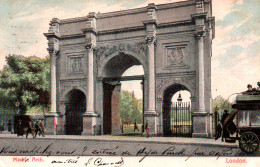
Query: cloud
(236, 58)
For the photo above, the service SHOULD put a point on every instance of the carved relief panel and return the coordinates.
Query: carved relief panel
(75, 64)
(175, 56)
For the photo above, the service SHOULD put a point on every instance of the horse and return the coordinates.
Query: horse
(127, 122)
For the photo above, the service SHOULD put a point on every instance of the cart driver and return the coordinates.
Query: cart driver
(224, 131)
(224, 116)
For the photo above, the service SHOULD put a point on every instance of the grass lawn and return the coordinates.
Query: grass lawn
(129, 130)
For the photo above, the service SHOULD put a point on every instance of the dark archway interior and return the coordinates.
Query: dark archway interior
(119, 64)
(75, 107)
(168, 94)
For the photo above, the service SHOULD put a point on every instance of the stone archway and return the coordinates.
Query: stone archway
(167, 112)
(75, 107)
(112, 70)
(82, 49)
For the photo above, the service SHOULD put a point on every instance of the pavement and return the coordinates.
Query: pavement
(110, 138)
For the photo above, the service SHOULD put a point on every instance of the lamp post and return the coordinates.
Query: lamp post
(118, 86)
(179, 99)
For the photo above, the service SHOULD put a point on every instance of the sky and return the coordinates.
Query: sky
(235, 55)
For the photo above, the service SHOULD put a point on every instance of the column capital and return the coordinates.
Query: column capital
(151, 40)
(90, 46)
(53, 52)
(200, 34)
(53, 43)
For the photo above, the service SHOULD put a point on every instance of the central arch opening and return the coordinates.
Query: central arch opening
(123, 77)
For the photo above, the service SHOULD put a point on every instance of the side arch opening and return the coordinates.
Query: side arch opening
(177, 115)
(75, 107)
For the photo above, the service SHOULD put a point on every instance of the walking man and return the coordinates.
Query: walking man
(9, 125)
(37, 128)
(136, 126)
(42, 128)
(147, 129)
(2, 126)
(29, 129)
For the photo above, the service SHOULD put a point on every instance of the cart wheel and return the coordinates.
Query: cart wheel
(249, 142)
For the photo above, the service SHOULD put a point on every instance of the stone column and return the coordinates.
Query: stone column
(200, 41)
(150, 23)
(90, 79)
(53, 81)
(151, 77)
(89, 117)
(200, 116)
(53, 37)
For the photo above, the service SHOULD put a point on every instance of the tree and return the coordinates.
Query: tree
(125, 107)
(136, 114)
(221, 103)
(130, 107)
(25, 80)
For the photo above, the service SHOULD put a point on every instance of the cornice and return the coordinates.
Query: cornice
(115, 31)
(177, 23)
(52, 35)
(72, 36)
(130, 11)
(128, 29)
(176, 74)
(73, 20)
(199, 15)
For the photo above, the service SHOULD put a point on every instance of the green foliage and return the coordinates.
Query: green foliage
(25, 80)
(131, 107)
(221, 103)
(36, 109)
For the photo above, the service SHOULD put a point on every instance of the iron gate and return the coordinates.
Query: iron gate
(74, 118)
(181, 119)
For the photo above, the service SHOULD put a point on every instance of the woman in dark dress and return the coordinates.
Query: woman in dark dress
(20, 128)
(9, 125)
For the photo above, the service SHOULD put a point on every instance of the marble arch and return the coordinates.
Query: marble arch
(171, 41)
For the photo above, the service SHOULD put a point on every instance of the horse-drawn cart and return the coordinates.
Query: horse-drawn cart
(246, 125)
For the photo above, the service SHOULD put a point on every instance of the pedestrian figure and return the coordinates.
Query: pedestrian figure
(122, 130)
(1, 126)
(29, 129)
(147, 129)
(9, 125)
(42, 128)
(224, 131)
(37, 128)
(136, 126)
(19, 128)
